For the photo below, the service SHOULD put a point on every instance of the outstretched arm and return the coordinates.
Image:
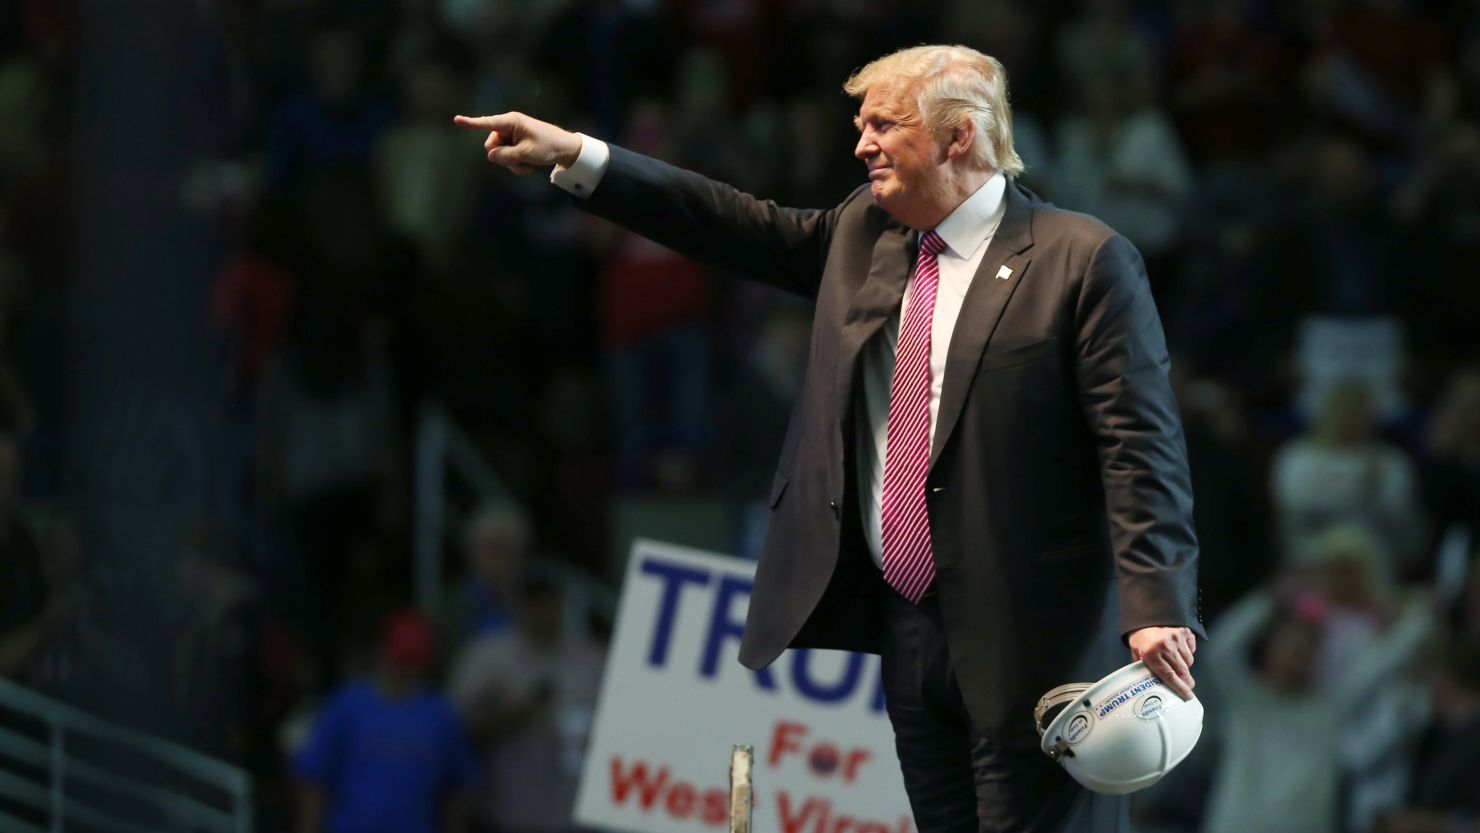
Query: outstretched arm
(708, 221)
(1389, 653)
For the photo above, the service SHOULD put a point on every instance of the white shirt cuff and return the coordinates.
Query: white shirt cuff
(582, 177)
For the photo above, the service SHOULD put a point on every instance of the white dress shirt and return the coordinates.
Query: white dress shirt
(583, 175)
(966, 231)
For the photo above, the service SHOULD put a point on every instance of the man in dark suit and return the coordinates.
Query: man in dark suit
(984, 478)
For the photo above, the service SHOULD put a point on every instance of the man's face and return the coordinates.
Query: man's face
(496, 551)
(905, 161)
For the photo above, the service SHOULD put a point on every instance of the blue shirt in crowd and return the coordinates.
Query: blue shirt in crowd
(386, 765)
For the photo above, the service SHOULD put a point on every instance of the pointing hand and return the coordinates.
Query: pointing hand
(521, 143)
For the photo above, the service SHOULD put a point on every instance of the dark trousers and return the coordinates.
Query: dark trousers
(958, 780)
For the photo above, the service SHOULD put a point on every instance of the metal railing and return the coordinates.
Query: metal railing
(442, 448)
(60, 774)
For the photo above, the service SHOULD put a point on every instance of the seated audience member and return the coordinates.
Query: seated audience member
(1445, 794)
(528, 694)
(1282, 735)
(388, 755)
(1342, 472)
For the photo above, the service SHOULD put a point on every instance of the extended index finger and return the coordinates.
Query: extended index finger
(499, 122)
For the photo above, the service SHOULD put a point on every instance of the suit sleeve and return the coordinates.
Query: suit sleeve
(1125, 391)
(714, 223)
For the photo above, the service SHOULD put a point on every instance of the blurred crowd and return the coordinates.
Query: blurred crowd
(1303, 179)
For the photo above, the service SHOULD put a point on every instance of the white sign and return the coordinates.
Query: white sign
(675, 700)
(1334, 350)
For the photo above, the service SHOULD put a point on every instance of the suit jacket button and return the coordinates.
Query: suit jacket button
(833, 505)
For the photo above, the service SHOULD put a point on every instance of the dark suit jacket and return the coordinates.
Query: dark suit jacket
(1059, 498)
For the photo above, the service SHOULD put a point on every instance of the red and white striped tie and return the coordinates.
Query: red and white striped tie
(908, 566)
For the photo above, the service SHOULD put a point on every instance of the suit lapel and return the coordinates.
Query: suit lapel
(981, 309)
(874, 302)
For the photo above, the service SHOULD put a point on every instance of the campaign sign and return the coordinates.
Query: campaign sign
(675, 699)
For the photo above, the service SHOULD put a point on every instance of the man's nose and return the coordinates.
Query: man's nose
(865, 147)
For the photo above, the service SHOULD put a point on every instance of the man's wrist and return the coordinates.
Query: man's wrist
(584, 172)
(571, 151)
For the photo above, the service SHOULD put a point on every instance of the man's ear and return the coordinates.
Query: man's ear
(960, 139)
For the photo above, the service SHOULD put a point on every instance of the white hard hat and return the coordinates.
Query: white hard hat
(1120, 734)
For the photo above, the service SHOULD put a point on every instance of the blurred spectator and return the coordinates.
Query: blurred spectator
(528, 694)
(626, 52)
(275, 689)
(1334, 253)
(1228, 83)
(503, 77)
(574, 477)
(1376, 68)
(655, 305)
(327, 456)
(736, 33)
(388, 755)
(1031, 140)
(752, 422)
(544, 250)
(254, 295)
(36, 213)
(1235, 553)
(348, 248)
(1217, 297)
(1443, 797)
(1341, 471)
(24, 100)
(1279, 771)
(1011, 32)
(425, 172)
(337, 119)
(415, 34)
(34, 601)
(1101, 43)
(1437, 209)
(496, 546)
(1450, 462)
(1119, 159)
(217, 631)
(67, 655)
(42, 598)
(1345, 568)
(699, 133)
(813, 128)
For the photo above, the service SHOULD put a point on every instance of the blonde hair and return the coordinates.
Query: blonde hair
(956, 84)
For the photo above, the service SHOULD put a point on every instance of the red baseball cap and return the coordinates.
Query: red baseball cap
(408, 639)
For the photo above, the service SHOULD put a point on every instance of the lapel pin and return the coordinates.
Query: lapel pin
(1004, 273)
